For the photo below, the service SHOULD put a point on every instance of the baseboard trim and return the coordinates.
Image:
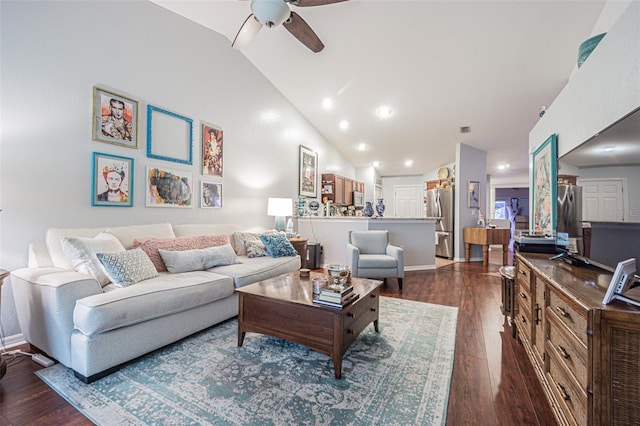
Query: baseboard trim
(12, 341)
(419, 267)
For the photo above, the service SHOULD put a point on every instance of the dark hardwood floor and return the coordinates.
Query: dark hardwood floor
(493, 382)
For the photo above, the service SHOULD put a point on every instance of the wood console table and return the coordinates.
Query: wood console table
(485, 237)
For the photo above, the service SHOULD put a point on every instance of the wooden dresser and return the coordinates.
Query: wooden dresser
(585, 354)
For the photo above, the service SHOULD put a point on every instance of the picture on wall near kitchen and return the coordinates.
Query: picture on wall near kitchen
(308, 172)
(474, 195)
(210, 195)
(544, 187)
(115, 118)
(169, 188)
(112, 180)
(211, 150)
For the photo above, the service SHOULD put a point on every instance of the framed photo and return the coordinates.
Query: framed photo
(211, 150)
(115, 118)
(544, 187)
(308, 173)
(169, 136)
(473, 190)
(169, 188)
(210, 195)
(112, 180)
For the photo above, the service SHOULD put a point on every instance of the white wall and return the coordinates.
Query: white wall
(471, 165)
(52, 55)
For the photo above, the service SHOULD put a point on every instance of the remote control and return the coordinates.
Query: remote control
(42, 360)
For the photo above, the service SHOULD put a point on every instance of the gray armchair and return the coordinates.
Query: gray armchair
(371, 256)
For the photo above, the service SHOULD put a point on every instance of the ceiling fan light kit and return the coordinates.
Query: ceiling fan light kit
(272, 13)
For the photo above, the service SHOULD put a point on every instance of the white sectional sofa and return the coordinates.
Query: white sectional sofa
(94, 329)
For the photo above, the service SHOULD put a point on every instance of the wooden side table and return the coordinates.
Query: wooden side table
(300, 244)
(485, 237)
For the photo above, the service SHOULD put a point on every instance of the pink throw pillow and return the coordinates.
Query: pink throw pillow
(152, 245)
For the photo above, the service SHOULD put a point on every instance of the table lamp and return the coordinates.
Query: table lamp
(280, 208)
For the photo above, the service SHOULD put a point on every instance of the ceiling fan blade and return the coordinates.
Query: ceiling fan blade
(305, 3)
(248, 30)
(303, 32)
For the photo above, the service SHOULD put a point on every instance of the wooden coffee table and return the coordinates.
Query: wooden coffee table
(282, 307)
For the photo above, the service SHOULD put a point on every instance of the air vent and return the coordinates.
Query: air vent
(465, 129)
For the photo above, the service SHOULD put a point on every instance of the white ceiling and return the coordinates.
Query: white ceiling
(439, 65)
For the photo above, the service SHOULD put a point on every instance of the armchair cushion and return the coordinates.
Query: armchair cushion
(370, 242)
(380, 261)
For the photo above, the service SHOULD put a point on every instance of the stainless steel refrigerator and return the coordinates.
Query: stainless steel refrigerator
(440, 203)
(570, 215)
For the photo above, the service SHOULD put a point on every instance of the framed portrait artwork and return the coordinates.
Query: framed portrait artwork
(211, 150)
(169, 136)
(112, 180)
(308, 173)
(473, 201)
(115, 118)
(210, 195)
(169, 188)
(544, 187)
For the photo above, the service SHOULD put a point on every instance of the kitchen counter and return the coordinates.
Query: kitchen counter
(416, 235)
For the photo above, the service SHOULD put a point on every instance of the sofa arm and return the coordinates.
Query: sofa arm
(353, 254)
(398, 253)
(45, 299)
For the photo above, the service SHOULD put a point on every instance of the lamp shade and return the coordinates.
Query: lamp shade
(280, 207)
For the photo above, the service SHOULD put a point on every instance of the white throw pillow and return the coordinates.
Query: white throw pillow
(81, 254)
(128, 267)
(199, 259)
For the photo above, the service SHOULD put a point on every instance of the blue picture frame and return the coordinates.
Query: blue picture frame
(169, 136)
(112, 183)
(544, 187)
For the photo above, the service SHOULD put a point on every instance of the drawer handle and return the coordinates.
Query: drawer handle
(524, 296)
(373, 309)
(522, 272)
(351, 314)
(538, 316)
(562, 311)
(563, 392)
(564, 352)
(373, 296)
(349, 331)
(524, 320)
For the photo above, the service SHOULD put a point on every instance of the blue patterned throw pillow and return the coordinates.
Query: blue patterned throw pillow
(127, 267)
(278, 245)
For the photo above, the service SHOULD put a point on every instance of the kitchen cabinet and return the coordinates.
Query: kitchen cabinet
(339, 189)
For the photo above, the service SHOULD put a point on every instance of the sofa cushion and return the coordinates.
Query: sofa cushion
(255, 249)
(278, 245)
(152, 245)
(239, 240)
(127, 267)
(157, 297)
(257, 269)
(81, 254)
(126, 235)
(199, 259)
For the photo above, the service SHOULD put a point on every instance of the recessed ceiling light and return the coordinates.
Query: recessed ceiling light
(609, 149)
(408, 163)
(327, 103)
(503, 166)
(384, 112)
(376, 164)
(361, 146)
(344, 124)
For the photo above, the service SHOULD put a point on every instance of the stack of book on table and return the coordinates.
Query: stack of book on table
(336, 297)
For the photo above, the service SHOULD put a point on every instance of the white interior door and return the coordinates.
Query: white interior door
(408, 200)
(603, 199)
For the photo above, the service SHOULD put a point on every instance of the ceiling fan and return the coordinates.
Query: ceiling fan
(271, 13)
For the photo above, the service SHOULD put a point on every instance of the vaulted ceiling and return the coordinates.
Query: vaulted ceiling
(439, 65)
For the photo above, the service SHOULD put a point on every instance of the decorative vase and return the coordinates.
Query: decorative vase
(380, 207)
(368, 209)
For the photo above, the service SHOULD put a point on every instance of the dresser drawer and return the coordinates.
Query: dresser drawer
(523, 319)
(572, 401)
(573, 320)
(571, 353)
(523, 295)
(523, 275)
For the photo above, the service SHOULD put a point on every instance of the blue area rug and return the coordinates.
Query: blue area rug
(400, 376)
